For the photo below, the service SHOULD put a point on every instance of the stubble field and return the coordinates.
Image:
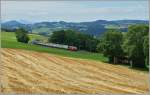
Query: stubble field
(35, 72)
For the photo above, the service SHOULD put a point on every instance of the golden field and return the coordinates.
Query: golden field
(35, 72)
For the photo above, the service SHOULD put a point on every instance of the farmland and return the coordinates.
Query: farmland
(76, 47)
(34, 69)
(34, 72)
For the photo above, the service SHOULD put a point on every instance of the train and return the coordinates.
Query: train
(54, 45)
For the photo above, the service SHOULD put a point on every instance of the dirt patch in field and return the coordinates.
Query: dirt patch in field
(36, 72)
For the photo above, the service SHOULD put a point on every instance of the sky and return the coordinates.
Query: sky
(74, 11)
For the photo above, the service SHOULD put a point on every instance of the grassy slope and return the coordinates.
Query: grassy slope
(34, 36)
(8, 40)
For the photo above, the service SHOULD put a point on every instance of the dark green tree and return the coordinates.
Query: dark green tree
(110, 44)
(57, 37)
(22, 35)
(133, 44)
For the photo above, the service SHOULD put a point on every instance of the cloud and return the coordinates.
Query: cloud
(74, 10)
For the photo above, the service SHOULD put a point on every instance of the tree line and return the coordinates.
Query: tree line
(73, 38)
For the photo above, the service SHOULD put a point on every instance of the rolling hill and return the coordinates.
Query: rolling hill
(95, 28)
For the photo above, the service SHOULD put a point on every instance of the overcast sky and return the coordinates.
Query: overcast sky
(76, 11)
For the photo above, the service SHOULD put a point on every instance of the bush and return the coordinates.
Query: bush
(21, 35)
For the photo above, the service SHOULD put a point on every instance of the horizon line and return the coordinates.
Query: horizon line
(21, 20)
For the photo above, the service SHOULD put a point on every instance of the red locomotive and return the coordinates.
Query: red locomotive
(72, 48)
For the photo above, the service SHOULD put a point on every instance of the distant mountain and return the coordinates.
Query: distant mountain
(95, 28)
(11, 25)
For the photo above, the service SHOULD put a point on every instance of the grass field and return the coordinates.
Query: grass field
(39, 37)
(8, 40)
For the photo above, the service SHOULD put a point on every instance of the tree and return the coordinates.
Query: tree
(22, 35)
(74, 38)
(110, 44)
(57, 37)
(133, 44)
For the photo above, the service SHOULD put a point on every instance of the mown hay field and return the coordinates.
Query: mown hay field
(36, 72)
